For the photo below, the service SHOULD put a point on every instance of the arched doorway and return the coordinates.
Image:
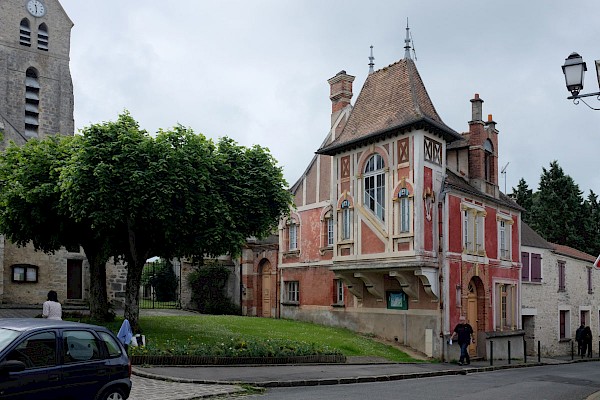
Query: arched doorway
(266, 288)
(475, 311)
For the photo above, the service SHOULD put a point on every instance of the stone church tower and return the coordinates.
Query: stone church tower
(36, 100)
(36, 90)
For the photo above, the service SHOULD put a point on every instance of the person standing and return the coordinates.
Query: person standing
(579, 339)
(52, 308)
(587, 342)
(463, 332)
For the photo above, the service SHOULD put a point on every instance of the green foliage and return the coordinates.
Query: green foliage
(235, 347)
(524, 197)
(209, 283)
(558, 208)
(162, 278)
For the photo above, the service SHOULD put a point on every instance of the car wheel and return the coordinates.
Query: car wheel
(112, 394)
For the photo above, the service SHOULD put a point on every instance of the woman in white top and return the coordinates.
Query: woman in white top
(52, 308)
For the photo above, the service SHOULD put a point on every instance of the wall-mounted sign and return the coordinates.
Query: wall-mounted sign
(345, 204)
(397, 300)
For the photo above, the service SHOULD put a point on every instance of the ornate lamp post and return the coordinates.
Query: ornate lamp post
(574, 70)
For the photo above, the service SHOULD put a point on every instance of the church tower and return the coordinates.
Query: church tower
(36, 90)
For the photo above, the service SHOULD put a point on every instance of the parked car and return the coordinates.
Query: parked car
(46, 359)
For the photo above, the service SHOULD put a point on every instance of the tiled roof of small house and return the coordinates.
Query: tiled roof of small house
(531, 238)
(571, 252)
(393, 100)
(457, 182)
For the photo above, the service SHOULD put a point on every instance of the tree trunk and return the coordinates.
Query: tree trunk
(132, 294)
(99, 307)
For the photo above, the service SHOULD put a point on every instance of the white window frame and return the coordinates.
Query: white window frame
(567, 311)
(404, 214)
(346, 218)
(505, 223)
(374, 185)
(473, 229)
(330, 231)
(293, 236)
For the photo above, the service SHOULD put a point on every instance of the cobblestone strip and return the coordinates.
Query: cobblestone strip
(153, 389)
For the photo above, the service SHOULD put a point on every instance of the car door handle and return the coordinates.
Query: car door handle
(53, 378)
(103, 372)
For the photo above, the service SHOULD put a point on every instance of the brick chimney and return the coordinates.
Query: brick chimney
(340, 93)
(483, 150)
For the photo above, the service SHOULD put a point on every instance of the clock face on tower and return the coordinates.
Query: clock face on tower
(36, 8)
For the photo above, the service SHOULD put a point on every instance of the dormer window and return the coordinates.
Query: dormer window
(25, 33)
(43, 37)
(488, 149)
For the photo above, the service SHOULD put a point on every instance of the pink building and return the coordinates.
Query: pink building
(399, 226)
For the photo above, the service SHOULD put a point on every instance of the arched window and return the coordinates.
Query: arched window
(25, 33)
(32, 102)
(375, 186)
(43, 37)
(488, 148)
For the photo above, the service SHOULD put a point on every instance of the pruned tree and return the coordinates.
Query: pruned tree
(31, 210)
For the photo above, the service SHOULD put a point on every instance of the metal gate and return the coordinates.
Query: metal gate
(161, 285)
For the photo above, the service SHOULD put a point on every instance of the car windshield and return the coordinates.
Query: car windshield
(6, 337)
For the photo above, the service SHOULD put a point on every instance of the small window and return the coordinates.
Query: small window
(114, 350)
(43, 37)
(561, 276)
(80, 346)
(293, 232)
(32, 102)
(330, 231)
(589, 281)
(339, 291)
(25, 33)
(24, 273)
(404, 215)
(292, 291)
(564, 322)
(346, 221)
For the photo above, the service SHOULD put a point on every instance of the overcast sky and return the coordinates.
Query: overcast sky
(257, 71)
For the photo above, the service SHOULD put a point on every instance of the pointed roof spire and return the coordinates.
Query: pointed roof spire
(407, 42)
(371, 63)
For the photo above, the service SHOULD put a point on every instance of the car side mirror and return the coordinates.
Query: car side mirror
(11, 366)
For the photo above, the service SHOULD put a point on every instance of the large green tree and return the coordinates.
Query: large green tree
(31, 210)
(524, 197)
(591, 221)
(557, 212)
(178, 194)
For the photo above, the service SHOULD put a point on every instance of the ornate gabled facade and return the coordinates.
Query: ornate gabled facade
(399, 226)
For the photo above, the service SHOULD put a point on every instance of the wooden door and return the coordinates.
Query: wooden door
(266, 290)
(74, 279)
(472, 315)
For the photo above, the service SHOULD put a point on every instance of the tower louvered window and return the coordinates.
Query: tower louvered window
(43, 37)
(25, 33)
(32, 103)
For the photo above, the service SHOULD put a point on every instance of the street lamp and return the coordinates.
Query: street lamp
(574, 70)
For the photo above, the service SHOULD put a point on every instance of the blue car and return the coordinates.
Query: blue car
(46, 359)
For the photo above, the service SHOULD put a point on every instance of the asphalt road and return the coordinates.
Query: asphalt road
(551, 382)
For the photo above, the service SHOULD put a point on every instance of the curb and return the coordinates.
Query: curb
(336, 381)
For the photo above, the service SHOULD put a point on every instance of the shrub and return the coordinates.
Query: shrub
(208, 283)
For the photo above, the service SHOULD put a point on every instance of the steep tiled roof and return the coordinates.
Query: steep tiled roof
(531, 238)
(456, 182)
(393, 100)
(574, 253)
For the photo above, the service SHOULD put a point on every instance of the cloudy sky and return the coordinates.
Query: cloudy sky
(257, 70)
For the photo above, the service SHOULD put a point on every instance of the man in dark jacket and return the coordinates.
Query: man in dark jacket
(464, 333)
(579, 339)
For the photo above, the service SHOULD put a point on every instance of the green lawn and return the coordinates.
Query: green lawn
(215, 329)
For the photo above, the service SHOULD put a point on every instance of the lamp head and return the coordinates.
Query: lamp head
(574, 70)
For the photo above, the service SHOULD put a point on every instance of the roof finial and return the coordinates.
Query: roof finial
(407, 42)
(371, 63)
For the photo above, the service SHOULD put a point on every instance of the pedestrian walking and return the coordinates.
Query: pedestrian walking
(579, 339)
(463, 332)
